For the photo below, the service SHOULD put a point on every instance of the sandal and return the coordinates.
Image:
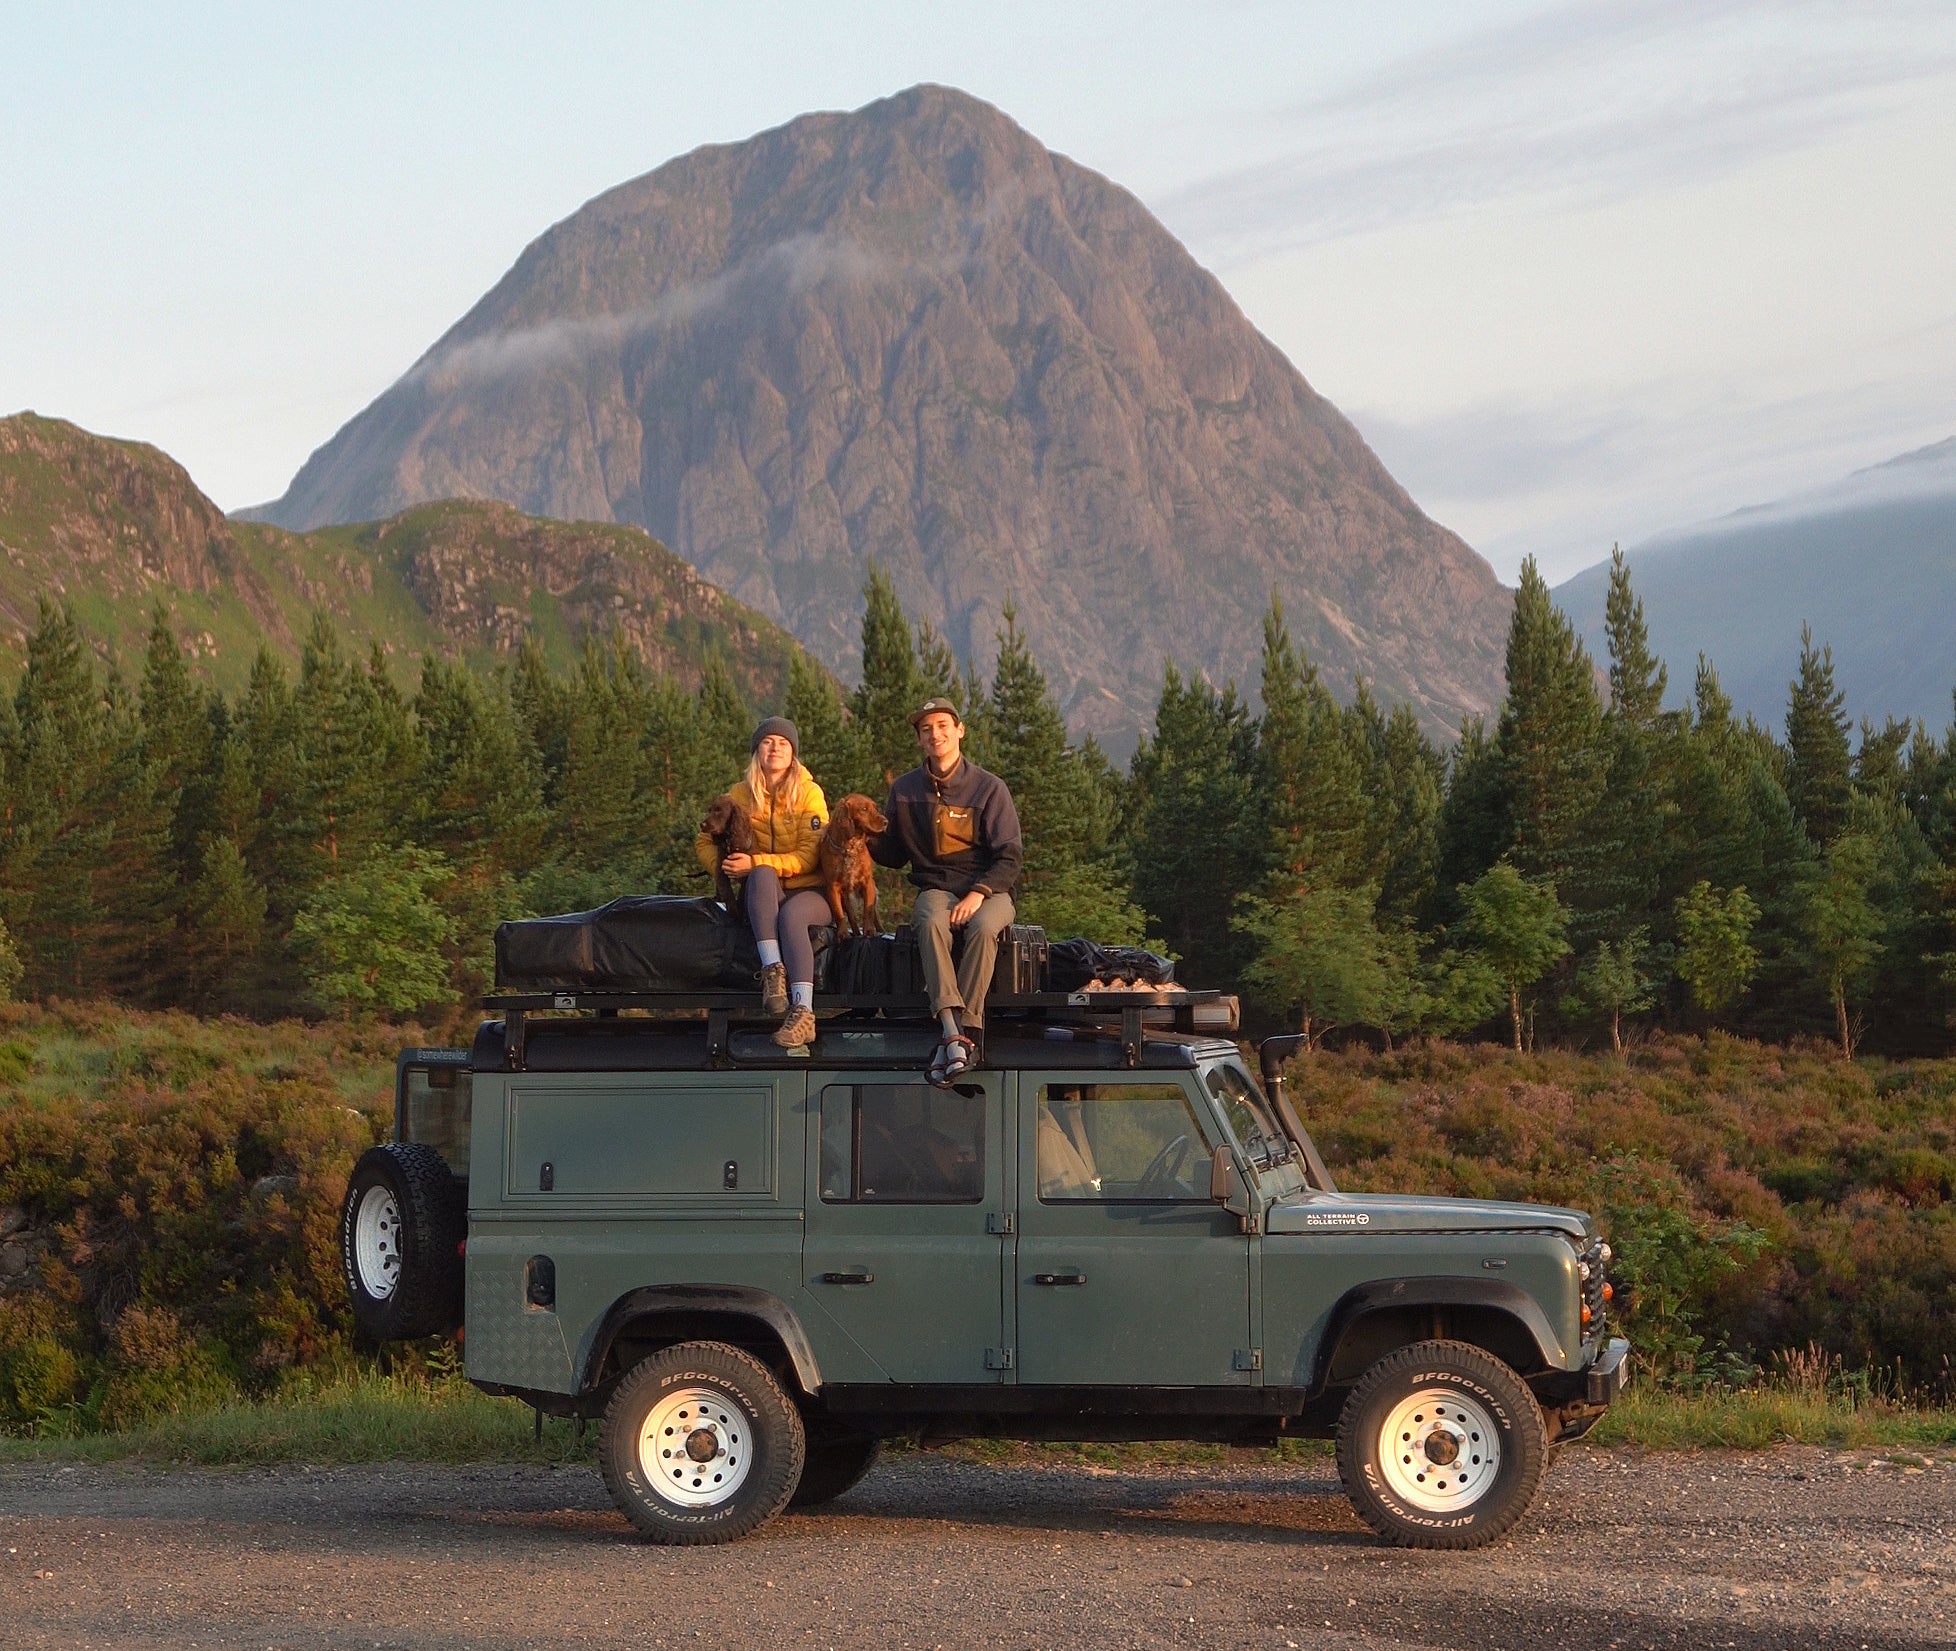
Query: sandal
(953, 1059)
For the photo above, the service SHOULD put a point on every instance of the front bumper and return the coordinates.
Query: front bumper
(1609, 1373)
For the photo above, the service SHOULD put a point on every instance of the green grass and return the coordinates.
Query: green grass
(373, 1418)
(366, 1418)
(1757, 1418)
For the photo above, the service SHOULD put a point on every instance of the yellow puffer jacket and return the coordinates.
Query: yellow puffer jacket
(787, 836)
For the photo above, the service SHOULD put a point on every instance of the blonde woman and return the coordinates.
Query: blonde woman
(780, 882)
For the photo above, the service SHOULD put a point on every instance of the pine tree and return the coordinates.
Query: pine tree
(830, 747)
(224, 922)
(482, 797)
(1818, 764)
(1309, 775)
(1194, 834)
(1630, 852)
(1549, 743)
(1473, 830)
(893, 684)
(55, 806)
(1637, 677)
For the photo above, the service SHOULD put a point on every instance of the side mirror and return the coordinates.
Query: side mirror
(1228, 1185)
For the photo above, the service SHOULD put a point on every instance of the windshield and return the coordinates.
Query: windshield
(1249, 1116)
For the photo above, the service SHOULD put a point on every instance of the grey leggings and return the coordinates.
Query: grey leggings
(786, 919)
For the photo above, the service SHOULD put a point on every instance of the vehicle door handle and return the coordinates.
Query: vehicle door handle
(849, 1275)
(1059, 1278)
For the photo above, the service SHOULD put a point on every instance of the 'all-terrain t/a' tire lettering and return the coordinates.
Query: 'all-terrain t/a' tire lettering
(1441, 1445)
(700, 1444)
(402, 1227)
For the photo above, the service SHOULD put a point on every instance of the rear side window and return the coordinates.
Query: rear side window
(902, 1144)
(436, 1112)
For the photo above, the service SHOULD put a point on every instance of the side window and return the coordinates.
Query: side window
(902, 1144)
(437, 1112)
(1120, 1143)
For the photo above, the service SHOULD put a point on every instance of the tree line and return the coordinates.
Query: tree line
(1587, 862)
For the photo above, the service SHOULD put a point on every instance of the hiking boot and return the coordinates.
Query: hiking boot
(774, 989)
(797, 1031)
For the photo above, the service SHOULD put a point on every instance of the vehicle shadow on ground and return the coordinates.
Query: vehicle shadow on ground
(1273, 1512)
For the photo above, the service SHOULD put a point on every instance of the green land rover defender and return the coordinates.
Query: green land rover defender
(755, 1266)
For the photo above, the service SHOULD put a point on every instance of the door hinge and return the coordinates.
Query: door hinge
(998, 1358)
(1252, 1360)
(1000, 1224)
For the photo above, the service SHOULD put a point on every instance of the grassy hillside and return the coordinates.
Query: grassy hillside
(1763, 1201)
(114, 526)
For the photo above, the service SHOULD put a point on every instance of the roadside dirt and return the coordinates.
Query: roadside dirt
(1764, 1552)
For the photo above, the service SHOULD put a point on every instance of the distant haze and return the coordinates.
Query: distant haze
(1869, 563)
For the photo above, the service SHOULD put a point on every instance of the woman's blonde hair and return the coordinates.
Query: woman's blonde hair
(794, 785)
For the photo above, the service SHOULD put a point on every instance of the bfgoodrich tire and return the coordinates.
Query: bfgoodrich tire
(402, 1228)
(700, 1445)
(834, 1467)
(1441, 1445)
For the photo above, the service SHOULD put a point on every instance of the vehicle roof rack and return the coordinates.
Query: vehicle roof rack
(1132, 1009)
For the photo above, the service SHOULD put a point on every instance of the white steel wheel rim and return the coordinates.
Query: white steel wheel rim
(1439, 1451)
(697, 1446)
(377, 1242)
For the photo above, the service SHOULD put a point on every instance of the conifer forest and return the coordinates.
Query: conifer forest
(1595, 861)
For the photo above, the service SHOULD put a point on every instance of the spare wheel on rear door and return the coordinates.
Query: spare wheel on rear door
(402, 1229)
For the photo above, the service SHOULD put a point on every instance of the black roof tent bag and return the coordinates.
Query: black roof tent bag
(639, 943)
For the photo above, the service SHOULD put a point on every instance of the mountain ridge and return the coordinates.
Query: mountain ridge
(912, 334)
(1868, 561)
(113, 525)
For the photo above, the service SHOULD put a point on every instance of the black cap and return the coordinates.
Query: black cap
(935, 703)
(776, 725)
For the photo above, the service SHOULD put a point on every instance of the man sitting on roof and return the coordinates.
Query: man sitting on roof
(954, 826)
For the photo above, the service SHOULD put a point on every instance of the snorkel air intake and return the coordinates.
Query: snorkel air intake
(1270, 1057)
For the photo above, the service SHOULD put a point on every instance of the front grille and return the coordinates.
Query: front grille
(1596, 1260)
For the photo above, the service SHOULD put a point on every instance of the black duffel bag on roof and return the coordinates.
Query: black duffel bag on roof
(1072, 963)
(639, 943)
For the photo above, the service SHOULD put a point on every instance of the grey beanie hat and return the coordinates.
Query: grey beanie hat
(777, 725)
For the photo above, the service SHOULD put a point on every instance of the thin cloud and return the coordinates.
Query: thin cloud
(779, 271)
(769, 277)
(1580, 104)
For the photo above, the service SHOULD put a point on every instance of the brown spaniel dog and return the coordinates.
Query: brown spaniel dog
(847, 873)
(732, 832)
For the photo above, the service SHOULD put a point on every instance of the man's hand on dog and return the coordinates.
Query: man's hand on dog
(739, 865)
(966, 909)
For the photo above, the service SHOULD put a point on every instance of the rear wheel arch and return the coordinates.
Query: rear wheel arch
(646, 1320)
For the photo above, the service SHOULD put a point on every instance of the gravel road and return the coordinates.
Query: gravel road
(1790, 1548)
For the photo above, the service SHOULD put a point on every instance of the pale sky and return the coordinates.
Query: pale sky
(1579, 272)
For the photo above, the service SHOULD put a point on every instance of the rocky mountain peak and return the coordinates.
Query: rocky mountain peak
(913, 334)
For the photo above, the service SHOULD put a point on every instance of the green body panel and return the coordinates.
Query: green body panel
(605, 1234)
(1305, 1274)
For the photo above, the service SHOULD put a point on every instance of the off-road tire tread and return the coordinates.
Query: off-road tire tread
(779, 1436)
(434, 1206)
(1524, 1446)
(834, 1468)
